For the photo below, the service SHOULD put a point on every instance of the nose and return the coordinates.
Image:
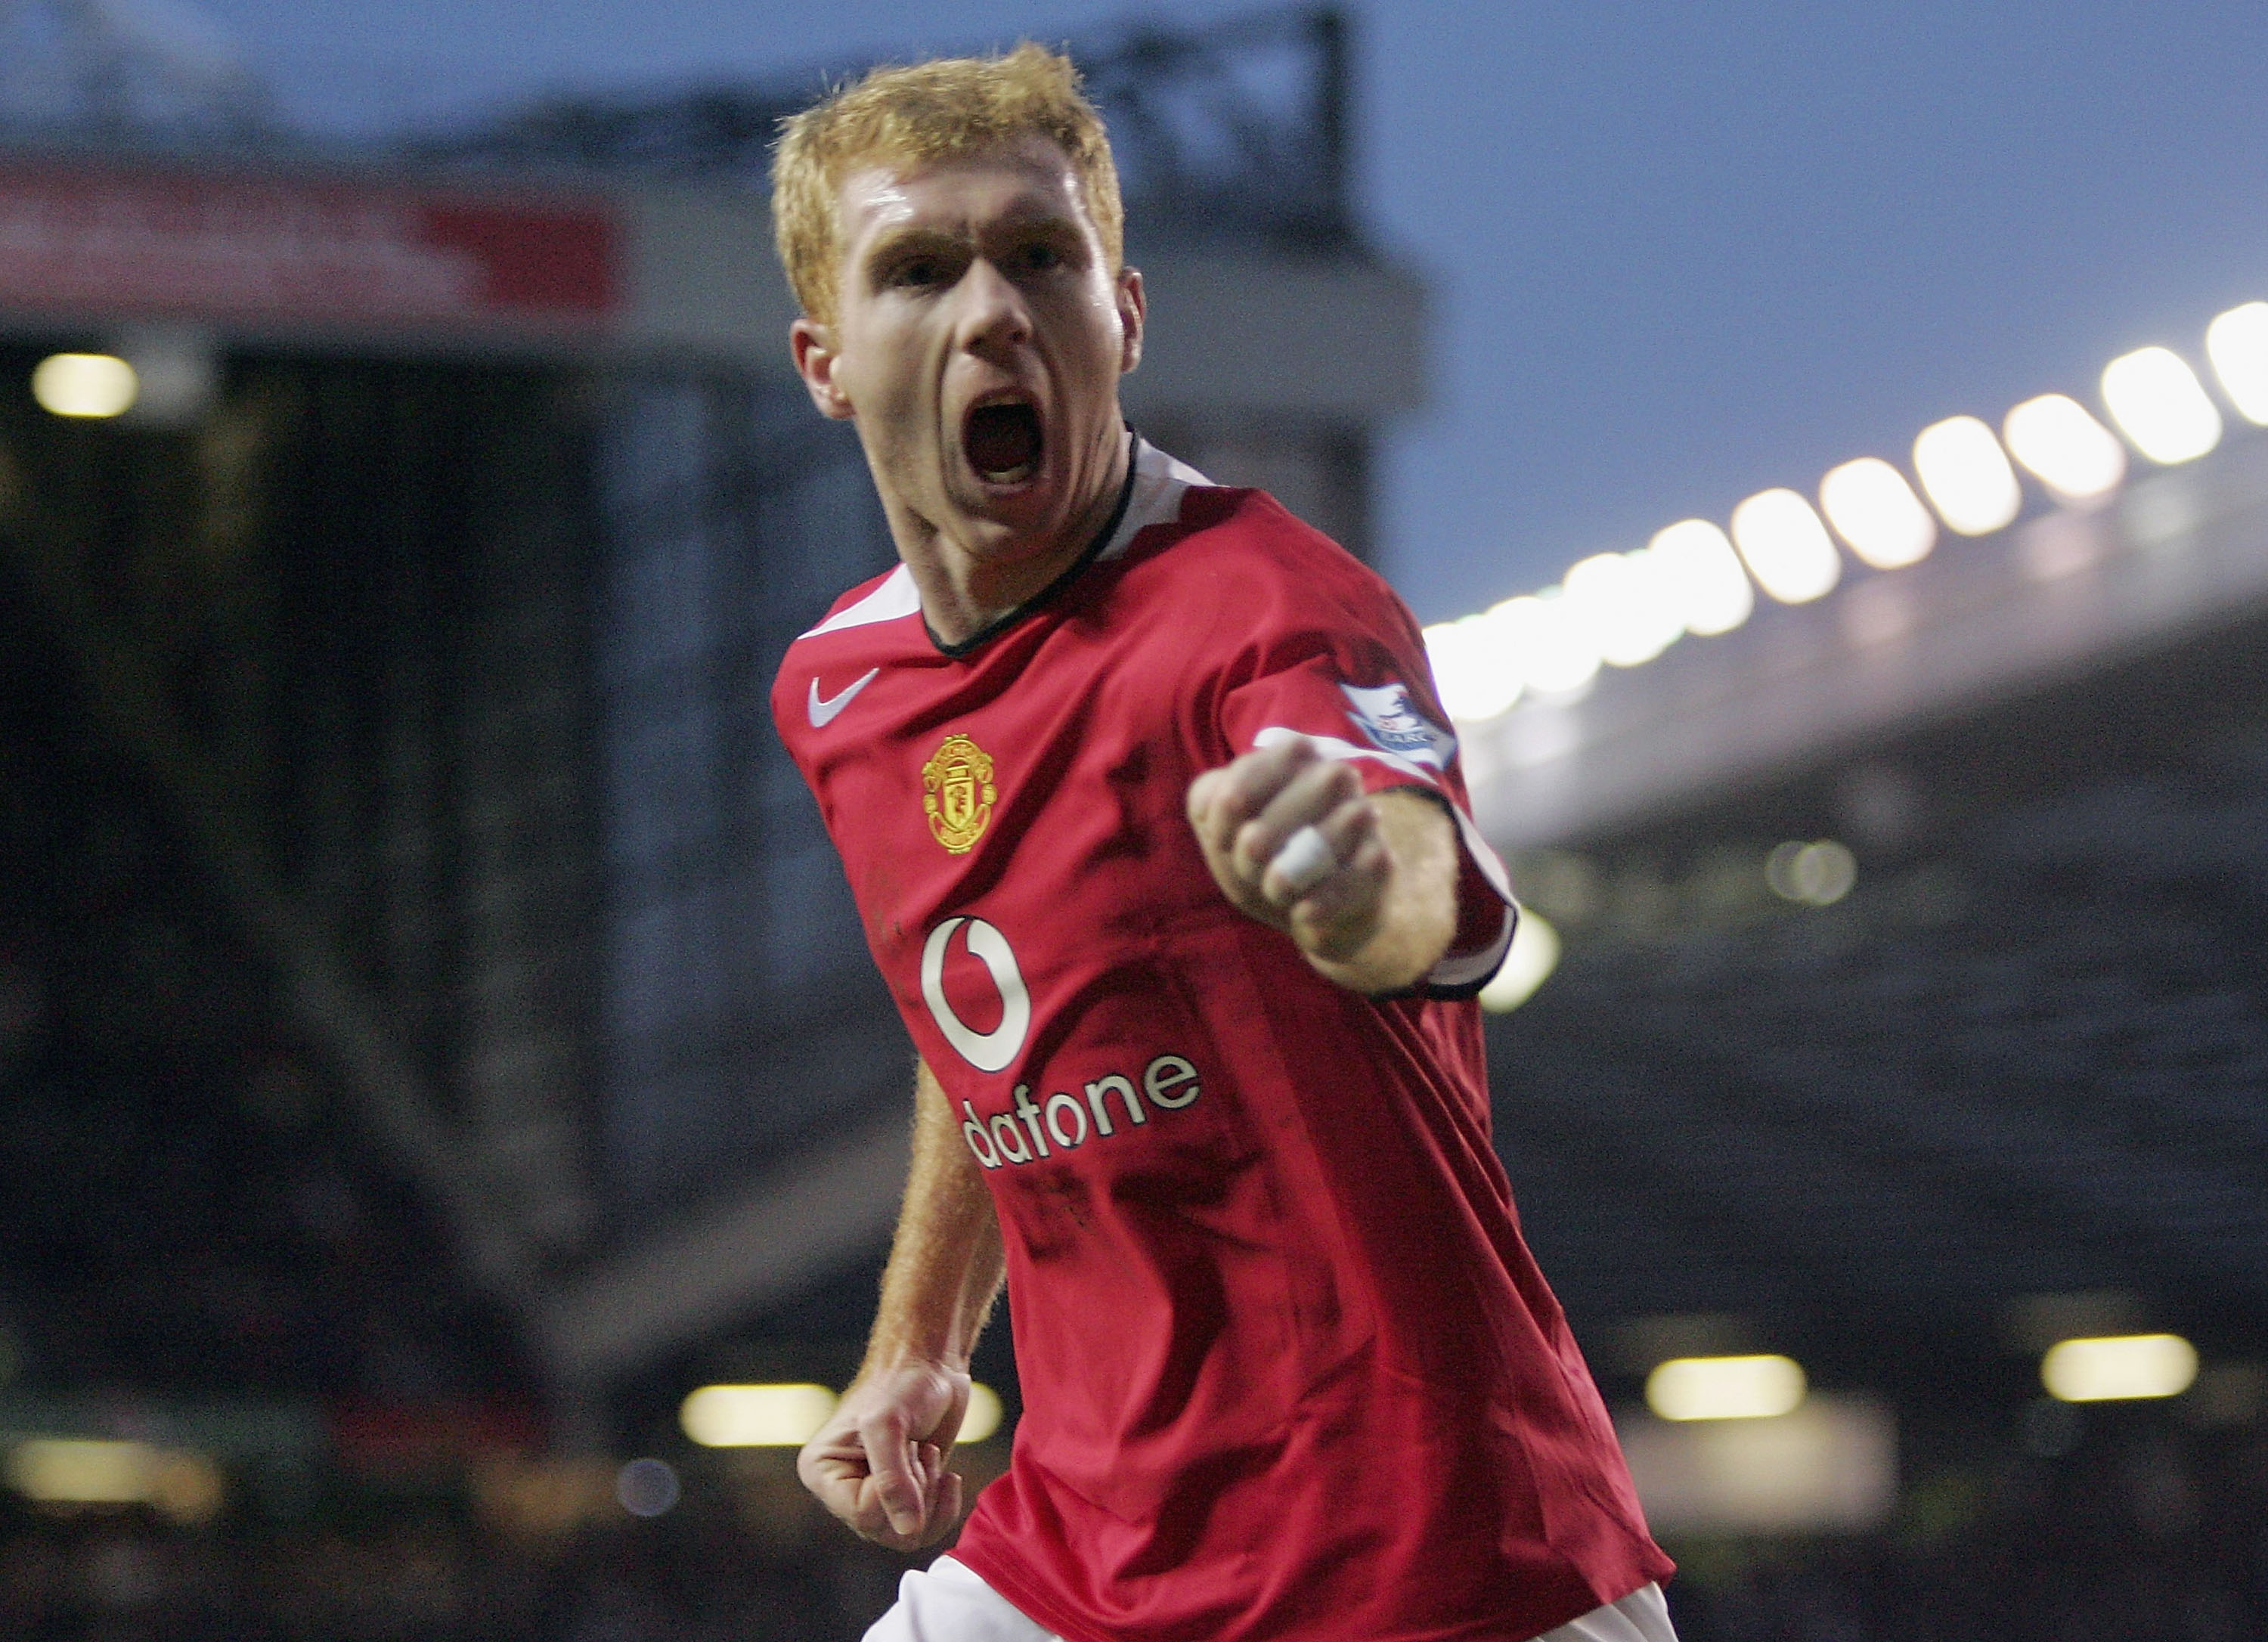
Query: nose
(994, 317)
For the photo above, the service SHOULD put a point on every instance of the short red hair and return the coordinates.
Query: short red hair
(918, 114)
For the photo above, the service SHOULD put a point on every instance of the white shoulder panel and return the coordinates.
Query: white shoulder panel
(1160, 482)
(895, 597)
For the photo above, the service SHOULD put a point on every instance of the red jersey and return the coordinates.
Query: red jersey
(1288, 1369)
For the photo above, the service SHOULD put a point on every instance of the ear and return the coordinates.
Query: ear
(813, 346)
(1133, 313)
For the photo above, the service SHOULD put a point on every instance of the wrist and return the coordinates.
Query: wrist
(1374, 973)
(898, 1358)
(1386, 946)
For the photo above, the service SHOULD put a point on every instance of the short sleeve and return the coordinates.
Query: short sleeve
(1359, 696)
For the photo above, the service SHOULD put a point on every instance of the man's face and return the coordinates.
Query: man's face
(979, 342)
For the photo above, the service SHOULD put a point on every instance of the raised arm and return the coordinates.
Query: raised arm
(1366, 885)
(879, 1462)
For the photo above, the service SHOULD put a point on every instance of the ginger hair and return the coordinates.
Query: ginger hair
(917, 115)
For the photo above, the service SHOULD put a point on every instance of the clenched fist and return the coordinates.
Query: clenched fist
(1365, 886)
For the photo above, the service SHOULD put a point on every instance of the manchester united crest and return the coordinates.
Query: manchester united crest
(958, 793)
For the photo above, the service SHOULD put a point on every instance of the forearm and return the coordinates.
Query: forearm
(879, 1462)
(946, 1260)
(1394, 946)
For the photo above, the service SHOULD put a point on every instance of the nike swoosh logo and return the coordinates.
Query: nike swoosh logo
(823, 709)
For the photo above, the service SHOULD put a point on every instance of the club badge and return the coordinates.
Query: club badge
(958, 793)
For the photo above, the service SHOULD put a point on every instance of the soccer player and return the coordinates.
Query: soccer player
(1158, 835)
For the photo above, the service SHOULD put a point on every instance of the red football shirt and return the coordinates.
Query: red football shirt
(1288, 1369)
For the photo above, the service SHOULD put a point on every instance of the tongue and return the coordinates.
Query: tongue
(1002, 438)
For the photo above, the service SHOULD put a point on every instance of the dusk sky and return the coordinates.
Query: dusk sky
(1679, 252)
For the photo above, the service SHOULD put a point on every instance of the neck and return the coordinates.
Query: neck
(964, 590)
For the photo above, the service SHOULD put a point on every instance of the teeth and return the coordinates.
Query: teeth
(1010, 476)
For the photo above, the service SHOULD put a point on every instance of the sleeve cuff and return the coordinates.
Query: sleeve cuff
(1474, 955)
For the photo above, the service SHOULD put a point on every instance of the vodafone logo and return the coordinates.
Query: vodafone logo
(987, 1051)
(1032, 1130)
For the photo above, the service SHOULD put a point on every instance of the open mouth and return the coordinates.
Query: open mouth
(1003, 441)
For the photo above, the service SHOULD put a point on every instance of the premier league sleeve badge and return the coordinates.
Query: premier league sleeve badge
(1390, 721)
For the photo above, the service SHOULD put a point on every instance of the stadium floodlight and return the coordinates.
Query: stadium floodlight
(1787, 548)
(1535, 954)
(1658, 612)
(1474, 668)
(184, 1486)
(1726, 1388)
(1556, 650)
(1966, 476)
(1629, 612)
(85, 385)
(2159, 406)
(2071, 453)
(2237, 344)
(983, 1416)
(76, 1471)
(1873, 509)
(756, 1416)
(2119, 1368)
(1695, 564)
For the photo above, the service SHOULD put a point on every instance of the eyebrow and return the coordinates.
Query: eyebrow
(910, 237)
(890, 240)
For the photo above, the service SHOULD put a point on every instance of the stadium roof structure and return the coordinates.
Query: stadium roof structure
(2176, 555)
(1235, 133)
(2017, 1048)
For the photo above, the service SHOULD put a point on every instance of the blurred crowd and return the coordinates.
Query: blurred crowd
(2143, 1531)
(429, 1577)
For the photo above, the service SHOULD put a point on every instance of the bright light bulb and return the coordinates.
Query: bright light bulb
(2119, 1368)
(1658, 610)
(983, 1416)
(1623, 602)
(756, 1416)
(1535, 954)
(2071, 453)
(1786, 546)
(85, 385)
(1968, 480)
(1873, 509)
(81, 1471)
(1474, 668)
(1701, 577)
(1726, 1388)
(2158, 404)
(2237, 344)
(1551, 644)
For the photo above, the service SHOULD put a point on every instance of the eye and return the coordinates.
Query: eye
(1040, 255)
(917, 271)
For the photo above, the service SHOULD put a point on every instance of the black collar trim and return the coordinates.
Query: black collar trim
(1001, 623)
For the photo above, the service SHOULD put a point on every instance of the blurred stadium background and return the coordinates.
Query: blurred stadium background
(435, 1042)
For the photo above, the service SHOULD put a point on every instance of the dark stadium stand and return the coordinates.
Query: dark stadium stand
(2024, 1055)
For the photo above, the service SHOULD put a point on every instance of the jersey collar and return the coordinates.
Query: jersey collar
(1152, 495)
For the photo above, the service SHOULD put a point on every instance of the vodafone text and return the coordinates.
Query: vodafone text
(1169, 1082)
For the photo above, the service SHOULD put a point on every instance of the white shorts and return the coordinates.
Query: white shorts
(949, 1603)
